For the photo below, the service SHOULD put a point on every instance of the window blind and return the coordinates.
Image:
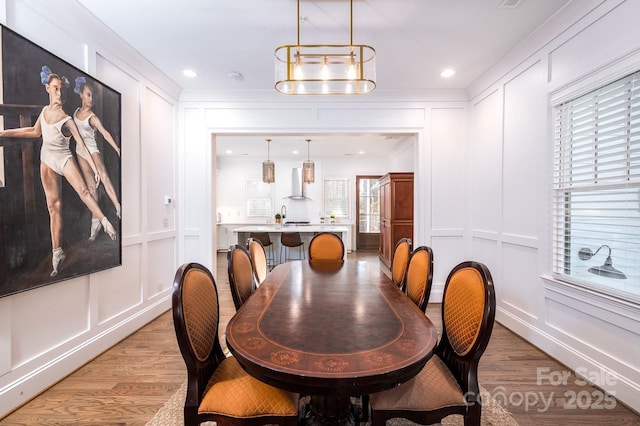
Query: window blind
(336, 197)
(597, 184)
(259, 199)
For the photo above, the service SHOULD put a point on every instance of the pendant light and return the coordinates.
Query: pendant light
(330, 69)
(308, 168)
(268, 168)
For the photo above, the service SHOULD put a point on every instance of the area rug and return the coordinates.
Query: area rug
(493, 414)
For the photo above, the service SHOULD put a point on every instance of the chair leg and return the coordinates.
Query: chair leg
(473, 415)
(365, 407)
(271, 259)
(287, 253)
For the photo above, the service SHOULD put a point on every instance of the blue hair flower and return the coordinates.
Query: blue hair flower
(79, 82)
(44, 74)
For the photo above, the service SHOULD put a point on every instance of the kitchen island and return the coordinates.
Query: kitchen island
(306, 233)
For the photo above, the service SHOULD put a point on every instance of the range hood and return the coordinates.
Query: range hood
(298, 187)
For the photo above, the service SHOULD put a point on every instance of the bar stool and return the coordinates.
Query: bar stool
(264, 238)
(289, 240)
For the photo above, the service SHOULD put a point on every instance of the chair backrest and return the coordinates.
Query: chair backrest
(241, 276)
(264, 238)
(258, 259)
(196, 316)
(420, 276)
(290, 239)
(400, 261)
(468, 313)
(326, 246)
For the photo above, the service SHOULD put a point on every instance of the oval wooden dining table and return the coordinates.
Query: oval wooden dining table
(330, 329)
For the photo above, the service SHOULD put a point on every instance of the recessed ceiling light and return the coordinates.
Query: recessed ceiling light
(295, 151)
(509, 4)
(229, 151)
(360, 152)
(189, 73)
(234, 75)
(447, 72)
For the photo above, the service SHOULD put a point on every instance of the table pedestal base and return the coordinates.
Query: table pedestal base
(329, 410)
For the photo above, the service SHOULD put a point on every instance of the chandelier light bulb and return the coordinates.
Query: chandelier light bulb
(300, 90)
(324, 72)
(351, 75)
(325, 88)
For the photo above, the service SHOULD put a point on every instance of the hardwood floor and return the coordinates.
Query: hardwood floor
(127, 384)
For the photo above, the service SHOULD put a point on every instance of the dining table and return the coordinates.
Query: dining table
(330, 330)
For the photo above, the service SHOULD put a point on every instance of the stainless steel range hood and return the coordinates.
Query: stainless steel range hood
(298, 187)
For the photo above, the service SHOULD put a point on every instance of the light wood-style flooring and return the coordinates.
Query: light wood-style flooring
(127, 384)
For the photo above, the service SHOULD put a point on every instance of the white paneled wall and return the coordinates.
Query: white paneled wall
(525, 150)
(510, 189)
(446, 195)
(47, 333)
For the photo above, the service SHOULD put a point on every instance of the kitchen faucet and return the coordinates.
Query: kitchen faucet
(283, 211)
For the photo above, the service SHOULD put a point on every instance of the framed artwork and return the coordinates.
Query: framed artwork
(60, 169)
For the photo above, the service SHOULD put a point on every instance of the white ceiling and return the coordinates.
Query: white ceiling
(414, 39)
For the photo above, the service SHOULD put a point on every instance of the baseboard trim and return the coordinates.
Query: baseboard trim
(29, 385)
(625, 389)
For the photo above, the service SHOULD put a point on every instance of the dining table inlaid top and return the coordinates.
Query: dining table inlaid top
(330, 328)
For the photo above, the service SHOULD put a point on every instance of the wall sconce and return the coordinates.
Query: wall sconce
(605, 270)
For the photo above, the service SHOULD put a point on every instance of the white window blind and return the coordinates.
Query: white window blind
(259, 199)
(597, 187)
(336, 197)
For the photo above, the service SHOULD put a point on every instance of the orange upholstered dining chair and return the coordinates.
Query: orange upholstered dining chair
(218, 388)
(420, 276)
(241, 276)
(400, 261)
(258, 259)
(267, 243)
(448, 383)
(326, 246)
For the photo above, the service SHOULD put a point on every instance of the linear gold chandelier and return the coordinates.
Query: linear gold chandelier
(305, 69)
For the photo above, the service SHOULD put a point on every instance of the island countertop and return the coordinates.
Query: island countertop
(278, 229)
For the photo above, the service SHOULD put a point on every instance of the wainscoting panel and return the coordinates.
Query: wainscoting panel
(160, 274)
(119, 289)
(520, 279)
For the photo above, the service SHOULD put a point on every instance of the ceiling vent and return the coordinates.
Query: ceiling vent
(509, 4)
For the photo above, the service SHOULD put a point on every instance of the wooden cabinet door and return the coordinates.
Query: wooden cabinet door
(396, 212)
(401, 200)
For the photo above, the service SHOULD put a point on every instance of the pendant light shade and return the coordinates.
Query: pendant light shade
(268, 168)
(308, 168)
(304, 69)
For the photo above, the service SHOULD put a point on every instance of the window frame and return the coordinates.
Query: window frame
(346, 182)
(591, 85)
